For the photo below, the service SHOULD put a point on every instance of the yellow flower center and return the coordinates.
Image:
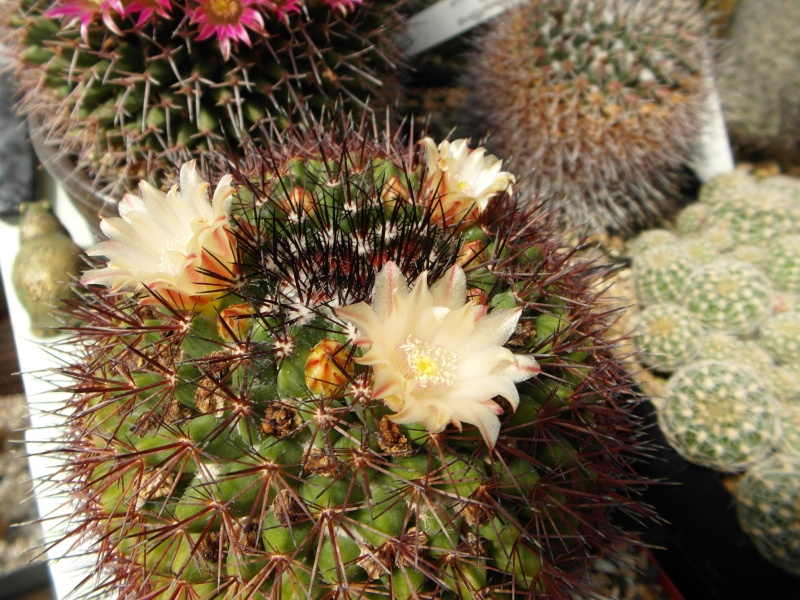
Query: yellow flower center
(224, 11)
(429, 364)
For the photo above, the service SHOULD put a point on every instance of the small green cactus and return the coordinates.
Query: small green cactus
(650, 238)
(667, 336)
(780, 335)
(719, 414)
(691, 219)
(768, 507)
(783, 265)
(786, 381)
(733, 186)
(724, 347)
(701, 249)
(660, 274)
(729, 296)
(758, 218)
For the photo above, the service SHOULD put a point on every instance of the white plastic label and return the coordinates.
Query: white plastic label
(448, 18)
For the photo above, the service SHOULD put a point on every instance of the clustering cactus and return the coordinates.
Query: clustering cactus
(720, 415)
(768, 506)
(360, 371)
(730, 397)
(128, 89)
(598, 101)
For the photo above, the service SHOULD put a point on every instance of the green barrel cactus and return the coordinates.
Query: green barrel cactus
(720, 414)
(768, 507)
(345, 372)
(128, 89)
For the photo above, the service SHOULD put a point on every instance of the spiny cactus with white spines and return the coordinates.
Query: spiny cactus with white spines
(720, 414)
(128, 89)
(667, 336)
(359, 378)
(599, 103)
(729, 296)
(784, 263)
(768, 507)
(660, 274)
(780, 336)
(732, 406)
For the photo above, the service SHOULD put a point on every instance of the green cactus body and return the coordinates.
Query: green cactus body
(242, 450)
(783, 266)
(701, 249)
(757, 219)
(724, 347)
(131, 104)
(768, 507)
(597, 100)
(720, 415)
(780, 335)
(650, 238)
(660, 274)
(786, 381)
(729, 296)
(667, 336)
(691, 219)
(733, 186)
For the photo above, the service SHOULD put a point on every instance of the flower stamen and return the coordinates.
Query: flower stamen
(429, 364)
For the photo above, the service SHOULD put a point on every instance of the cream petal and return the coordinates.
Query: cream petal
(388, 282)
(497, 326)
(521, 368)
(451, 290)
(361, 315)
(484, 418)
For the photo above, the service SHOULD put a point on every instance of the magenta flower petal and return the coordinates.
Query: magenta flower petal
(228, 20)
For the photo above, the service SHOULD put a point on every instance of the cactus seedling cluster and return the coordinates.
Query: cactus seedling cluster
(128, 89)
(731, 391)
(597, 101)
(353, 374)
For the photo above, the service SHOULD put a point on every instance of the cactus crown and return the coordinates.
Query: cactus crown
(310, 413)
(128, 89)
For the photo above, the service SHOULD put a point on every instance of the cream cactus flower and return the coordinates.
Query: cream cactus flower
(173, 243)
(466, 179)
(436, 358)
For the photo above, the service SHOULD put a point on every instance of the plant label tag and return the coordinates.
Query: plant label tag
(448, 18)
(713, 154)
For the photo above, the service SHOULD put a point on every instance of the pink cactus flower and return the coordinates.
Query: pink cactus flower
(85, 12)
(229, 20)
(145, 9)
